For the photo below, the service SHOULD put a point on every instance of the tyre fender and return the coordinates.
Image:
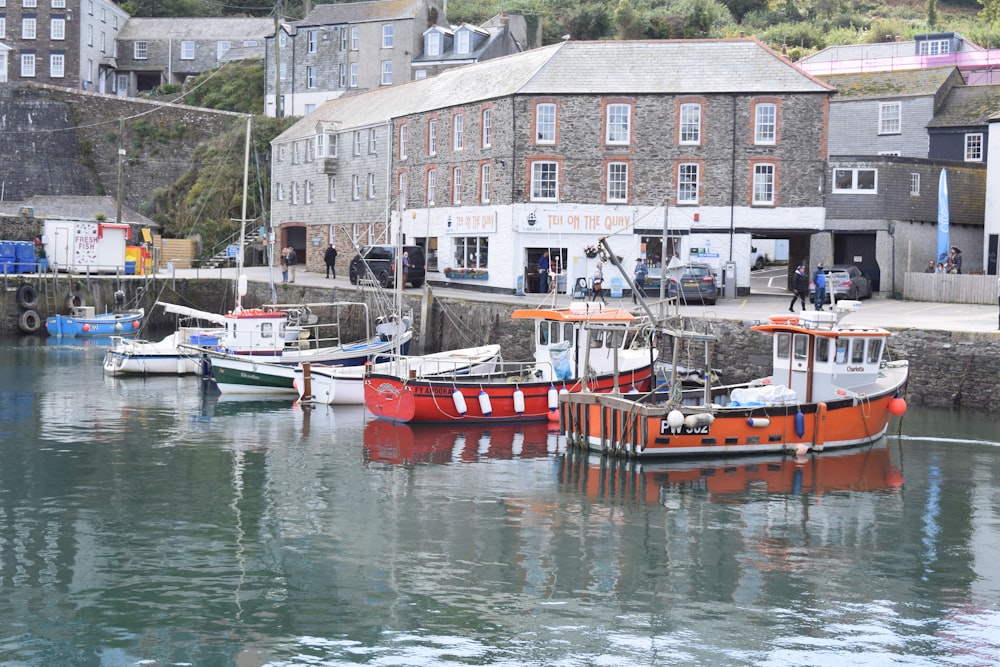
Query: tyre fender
(74, 300)
(27, 296)
(29, 322)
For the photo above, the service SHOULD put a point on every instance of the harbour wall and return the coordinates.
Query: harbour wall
(947, 368)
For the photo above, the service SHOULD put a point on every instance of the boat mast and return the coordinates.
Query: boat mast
(241, 287)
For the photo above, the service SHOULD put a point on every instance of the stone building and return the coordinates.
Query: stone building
(670, 148)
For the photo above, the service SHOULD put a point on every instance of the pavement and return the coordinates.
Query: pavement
(767, 298)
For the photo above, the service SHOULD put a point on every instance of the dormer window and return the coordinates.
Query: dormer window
(434, 43)
(463, 41)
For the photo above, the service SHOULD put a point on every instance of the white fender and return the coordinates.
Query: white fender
(484, 403)
(758, 422)
(459, 400)
(553, 398)
(519, 401)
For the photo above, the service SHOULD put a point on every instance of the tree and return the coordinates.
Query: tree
(991, 11)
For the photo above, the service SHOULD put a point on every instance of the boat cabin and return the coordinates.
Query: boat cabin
(821, 361)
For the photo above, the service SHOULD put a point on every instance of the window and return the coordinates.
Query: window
(27, 28)
(90, 7)
(343, 39)
(313, 36)
(485, 176)
(431, 185)
(432, 125)
(914, 185)
(617, 182)
(295, 194)
(402, 188)
(458, 131)
(354, 75)
(372, 141)
(321, 145)
(354, 38)
(935, 47)
(763, 185)
(27, 64)
(889, 118)
(309, 192)
(57, 65)
(358, 142)
(404, 140)
(618, 124)
(386, 72)
(139, 50)
(855, 180)
(687, 183)
(545, 123)
(29, 3)
(355, 187)
(420, 74)
(310, 151)
(371, 186)
(284, 71)
(343, 75)
(57, 28)
(690, 124)
(387, 36)
(56, 4)
(187, 50)
(487, 128)
(544, 181)
(104, 41)
(90, 34)
(3, 34)
(279, 191)
(434, 43)
(221, 47)
(974, 147)
(472, 252)
(311, 76)
(463, 42)
(456, 185)
(282, 39)
(332, 189)
(765, 123)
(296, 153)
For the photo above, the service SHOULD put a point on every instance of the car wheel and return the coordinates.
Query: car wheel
(354, 276)
(759, 263)
(384, 279)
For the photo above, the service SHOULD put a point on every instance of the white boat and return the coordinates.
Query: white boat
(260, 348)
(176, 354)
(345, 385)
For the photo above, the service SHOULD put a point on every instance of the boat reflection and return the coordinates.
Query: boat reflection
(868, 469)
(412, 444)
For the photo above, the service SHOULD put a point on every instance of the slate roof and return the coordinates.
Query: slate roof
(880, 85)
(968, 106)
(219, 29)
(56, 207)
(362, 12)
(862, 52)
(584, 68)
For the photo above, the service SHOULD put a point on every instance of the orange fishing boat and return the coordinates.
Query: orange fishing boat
(583, 346)
(831, 386)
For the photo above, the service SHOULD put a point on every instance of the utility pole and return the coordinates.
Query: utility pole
(121, 166)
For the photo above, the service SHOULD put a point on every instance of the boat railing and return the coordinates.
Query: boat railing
(511, 372)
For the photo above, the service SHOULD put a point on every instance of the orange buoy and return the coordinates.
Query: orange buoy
(897, 406)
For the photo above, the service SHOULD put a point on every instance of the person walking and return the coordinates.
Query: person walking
(819, 280)
(330, 258)
(598, 283)
(800, 288)
(293, 259)
(543, 272)
(283, 263)
(640, 278)
(406, 269)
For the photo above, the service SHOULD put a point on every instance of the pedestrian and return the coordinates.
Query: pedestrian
(930, 267)
(597, 283)
(283, 262)
(640, 277)
(940, 268)
(330, 258)
(819, 280)
(293, 259)
(800, 288)
(406, 269)
(956, 260)
(543, 272)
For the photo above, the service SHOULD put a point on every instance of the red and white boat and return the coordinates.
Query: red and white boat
(830, 387)
(584, 346)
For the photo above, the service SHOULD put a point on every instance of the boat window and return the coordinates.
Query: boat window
(874, 350)
(841, 357)
(568, 332)
(615, 339)
(548, 333)
(801, 347)
(822, 350)
(857, 350)
(596, 338)
(267, 330)
(782, 345)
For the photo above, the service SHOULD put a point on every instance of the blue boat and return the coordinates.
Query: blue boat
(83, 321)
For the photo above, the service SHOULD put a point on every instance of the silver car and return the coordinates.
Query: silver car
(846, 281)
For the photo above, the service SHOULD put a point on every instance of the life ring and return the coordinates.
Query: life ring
(27, 296)
(29, 322)
(784, 319)
(74, 300)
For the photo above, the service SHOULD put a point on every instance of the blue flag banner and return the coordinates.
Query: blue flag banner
(943, 226)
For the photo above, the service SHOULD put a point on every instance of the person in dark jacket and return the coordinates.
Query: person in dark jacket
(800, 288)
(819, 279)
(330, 258)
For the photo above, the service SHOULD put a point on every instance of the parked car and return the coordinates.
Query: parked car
(697, 283)
(847, 281)
(381, 261)
(758, 260)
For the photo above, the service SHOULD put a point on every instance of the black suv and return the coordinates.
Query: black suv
(381, 263)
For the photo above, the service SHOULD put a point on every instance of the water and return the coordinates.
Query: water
(146, 522)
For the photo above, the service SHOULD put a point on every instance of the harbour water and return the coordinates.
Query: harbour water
(147, 521)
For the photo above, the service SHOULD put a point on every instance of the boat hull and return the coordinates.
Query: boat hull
(430, 400)
(165, 357)
(110, 324)
(614, 424)
(233, 375)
